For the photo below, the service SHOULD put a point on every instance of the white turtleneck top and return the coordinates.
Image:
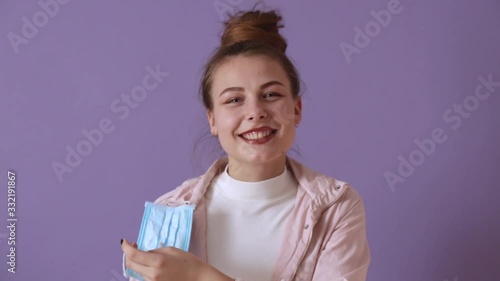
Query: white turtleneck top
(245, 223)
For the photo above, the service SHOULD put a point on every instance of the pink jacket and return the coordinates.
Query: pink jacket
(326, 235)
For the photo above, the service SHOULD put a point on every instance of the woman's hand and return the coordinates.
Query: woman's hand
(169, 263)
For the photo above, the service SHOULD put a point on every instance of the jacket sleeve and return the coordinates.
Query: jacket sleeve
(346, 254)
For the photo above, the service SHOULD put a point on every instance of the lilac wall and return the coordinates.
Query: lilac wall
(398, 108)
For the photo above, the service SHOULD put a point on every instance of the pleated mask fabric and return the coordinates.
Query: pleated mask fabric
(163, 226)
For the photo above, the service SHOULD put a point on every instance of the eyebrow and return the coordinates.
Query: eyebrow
(265, 85)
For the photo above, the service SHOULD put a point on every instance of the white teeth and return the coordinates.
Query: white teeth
(256, 135)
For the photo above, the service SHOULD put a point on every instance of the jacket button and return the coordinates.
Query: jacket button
(306, 227)
(337, 187)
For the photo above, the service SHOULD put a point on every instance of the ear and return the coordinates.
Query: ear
(211, 122)
(298, 110)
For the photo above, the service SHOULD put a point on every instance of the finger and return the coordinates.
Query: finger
(166, 251)
(145, 271)
(138, 256)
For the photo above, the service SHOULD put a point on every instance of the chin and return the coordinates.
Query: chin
(261, 158)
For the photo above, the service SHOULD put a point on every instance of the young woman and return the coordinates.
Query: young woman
(260, 214)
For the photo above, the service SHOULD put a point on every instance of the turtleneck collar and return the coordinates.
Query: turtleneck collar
(269, 189)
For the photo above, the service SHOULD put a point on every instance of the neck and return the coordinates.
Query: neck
(252, 172)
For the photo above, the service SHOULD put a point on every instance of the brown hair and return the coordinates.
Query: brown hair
(250, 33)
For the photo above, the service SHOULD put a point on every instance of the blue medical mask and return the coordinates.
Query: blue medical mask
(163, 226)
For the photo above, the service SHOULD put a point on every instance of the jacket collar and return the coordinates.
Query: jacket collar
(321, 190)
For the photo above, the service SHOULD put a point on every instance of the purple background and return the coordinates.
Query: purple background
(441, 223)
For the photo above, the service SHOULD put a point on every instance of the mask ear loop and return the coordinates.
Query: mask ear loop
(124, 268)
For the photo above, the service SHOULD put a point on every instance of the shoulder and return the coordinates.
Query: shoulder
(325, 190)
(348, 206)
(179, 195)
(351, 199)
(192, 190)
(328, 193)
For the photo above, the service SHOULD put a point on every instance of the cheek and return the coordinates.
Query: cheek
(285, 114)
(227, 123)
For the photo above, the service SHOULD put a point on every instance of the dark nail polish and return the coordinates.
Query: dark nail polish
(121, 241)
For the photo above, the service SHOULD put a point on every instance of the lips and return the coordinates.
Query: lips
(258, 133)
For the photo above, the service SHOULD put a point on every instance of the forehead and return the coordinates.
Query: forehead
(247, 71)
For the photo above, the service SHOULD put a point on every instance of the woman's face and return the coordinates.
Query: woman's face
(250, 92)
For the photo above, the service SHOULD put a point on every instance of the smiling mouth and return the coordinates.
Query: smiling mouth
(258, 135)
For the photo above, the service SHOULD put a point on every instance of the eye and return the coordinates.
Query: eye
(274, 94)
(231, 100)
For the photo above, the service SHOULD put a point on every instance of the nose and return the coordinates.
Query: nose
(256, 110)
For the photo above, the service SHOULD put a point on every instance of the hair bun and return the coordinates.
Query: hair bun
(254, 26)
